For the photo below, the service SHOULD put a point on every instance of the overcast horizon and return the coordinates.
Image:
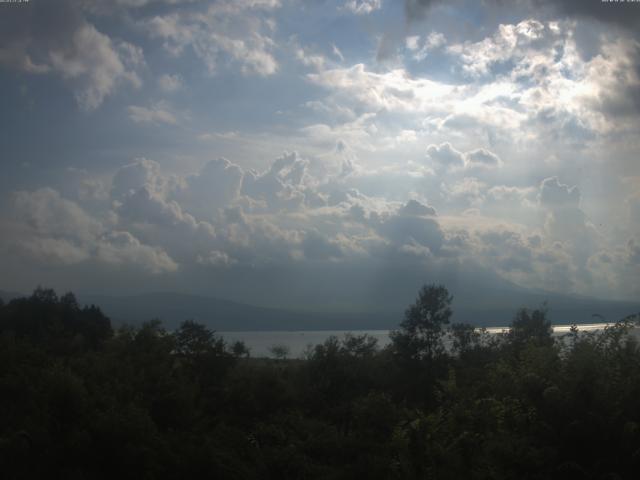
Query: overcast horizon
(321, 154)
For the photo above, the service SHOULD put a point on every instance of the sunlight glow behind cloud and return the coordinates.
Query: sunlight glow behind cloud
(217, 141)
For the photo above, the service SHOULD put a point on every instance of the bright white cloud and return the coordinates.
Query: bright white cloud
(362, 7)
(448, 152)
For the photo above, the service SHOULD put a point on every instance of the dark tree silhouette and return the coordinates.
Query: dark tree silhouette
(149, 403)
(531, 326)
(421, 332)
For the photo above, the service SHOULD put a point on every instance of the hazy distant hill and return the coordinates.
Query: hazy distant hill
(172, 308)
(7, 296)
(493, 308)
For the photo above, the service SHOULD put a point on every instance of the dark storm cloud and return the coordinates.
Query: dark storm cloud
(626, 14)
(55, 37)
(620, 13)
(417, 9)
(32, 25)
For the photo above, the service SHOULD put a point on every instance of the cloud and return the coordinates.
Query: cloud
(157, 113)
(52, 251)
(566, 221)
(554, 195)
(145, 206)
(233, 29)
(123, 249)
(309, 59)
(415, 208)
(482, 158)
(51, 230)
(420, 50)
(622, 13)
(362, 7)
(417, 9)
(133, 176)
(44, 38)
(509, 42)
(524, 83)
(231, 220)
(46, 213)
(336, 51)
(170, 83)
(315, 246)
(281, 186)
(444, 156)
(214, 187)
(614, 79)
(394, 90)
(405, 228)
(215, 258)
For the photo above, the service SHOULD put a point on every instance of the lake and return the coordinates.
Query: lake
(259, 343)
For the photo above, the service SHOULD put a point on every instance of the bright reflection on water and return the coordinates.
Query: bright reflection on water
(297, 342)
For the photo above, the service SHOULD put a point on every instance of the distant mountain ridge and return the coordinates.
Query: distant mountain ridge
(7, 296)
(227, 315)
(495, 309)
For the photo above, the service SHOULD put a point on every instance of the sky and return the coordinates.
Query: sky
(320, 154)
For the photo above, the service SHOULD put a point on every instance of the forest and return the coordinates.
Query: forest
(80, 399)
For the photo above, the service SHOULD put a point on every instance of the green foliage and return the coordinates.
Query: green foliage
(531, 326)
(421, 332)
(78, 400)
(281, 352)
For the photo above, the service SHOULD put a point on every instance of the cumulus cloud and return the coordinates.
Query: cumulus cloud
(362, 7)
(214, 187)
(421, 47)
(122, 249)
(44, 38)
(524, 84)
(133, 176)
(508, 43)
(394, 90)
(482, 158)
(406, 228)
(445, 157)
(233, 29)
(554, 194)
(414, 207)
(281, 186)
(228, 219)
(566, 221)
(52, 230)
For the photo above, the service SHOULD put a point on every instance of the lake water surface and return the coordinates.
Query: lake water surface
(259, 343)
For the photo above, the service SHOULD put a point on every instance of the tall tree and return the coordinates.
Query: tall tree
(421, 331)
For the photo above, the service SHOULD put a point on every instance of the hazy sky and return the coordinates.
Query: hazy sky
(320, 153)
